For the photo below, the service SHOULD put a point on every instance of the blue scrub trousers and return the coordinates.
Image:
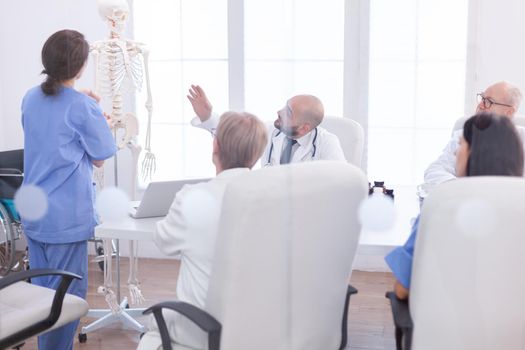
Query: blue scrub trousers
(71, 257)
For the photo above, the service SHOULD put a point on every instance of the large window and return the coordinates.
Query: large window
(292, 49)
(287, 48)
(188, 42)
(405, 72)
(416, 80)
(416, 84)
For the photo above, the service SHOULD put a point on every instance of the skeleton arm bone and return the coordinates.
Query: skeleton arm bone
(149, 163)
(135, 152)
(95, 50)
(149, 101)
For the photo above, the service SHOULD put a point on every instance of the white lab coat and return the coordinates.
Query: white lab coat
(190, 230)
(444, 168)
(327, 145)
(324, 144)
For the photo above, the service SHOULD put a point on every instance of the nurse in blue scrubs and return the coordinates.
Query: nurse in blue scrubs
(65, 134)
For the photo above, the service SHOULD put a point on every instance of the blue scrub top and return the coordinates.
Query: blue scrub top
(400, 259)
(63, 134)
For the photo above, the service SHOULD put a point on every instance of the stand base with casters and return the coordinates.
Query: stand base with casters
(106, 317)
(129, 229)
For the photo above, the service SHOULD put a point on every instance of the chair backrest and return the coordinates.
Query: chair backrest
(467, 287)
(350, 134)
(518, 120)
(285, 248)
(11, 170)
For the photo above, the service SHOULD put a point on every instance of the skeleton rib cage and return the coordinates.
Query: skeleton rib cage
(119, 67)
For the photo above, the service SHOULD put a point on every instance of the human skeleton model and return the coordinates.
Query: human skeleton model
(119, 63)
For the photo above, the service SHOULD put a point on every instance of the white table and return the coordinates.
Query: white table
(130, 229)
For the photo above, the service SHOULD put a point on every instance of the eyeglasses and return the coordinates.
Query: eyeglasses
(487, 102)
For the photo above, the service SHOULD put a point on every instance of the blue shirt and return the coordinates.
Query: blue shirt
(400, 259)
(63, 134)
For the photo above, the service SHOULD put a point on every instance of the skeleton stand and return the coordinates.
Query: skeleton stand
(123, 314)
(118, 60)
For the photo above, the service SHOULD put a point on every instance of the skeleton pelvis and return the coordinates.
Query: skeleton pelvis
(126, 127)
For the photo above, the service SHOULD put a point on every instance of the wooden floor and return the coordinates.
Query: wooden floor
(370, 321)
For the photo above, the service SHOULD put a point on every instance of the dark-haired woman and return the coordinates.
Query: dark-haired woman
(65, 134)
(490, 146)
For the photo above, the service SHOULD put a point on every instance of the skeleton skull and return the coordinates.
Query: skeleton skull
(115, 12)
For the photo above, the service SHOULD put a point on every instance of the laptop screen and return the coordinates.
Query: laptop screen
(159, 196)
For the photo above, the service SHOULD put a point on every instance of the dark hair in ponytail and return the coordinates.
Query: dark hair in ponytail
(63, 56)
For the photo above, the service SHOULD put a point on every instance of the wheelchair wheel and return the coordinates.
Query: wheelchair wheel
(7, 242)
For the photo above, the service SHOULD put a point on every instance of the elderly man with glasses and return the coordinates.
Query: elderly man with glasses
(501, 98)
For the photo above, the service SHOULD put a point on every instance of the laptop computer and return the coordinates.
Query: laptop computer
(158, 198)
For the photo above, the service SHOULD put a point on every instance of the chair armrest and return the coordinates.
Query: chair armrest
(402, 320)
(56, 306)
(344, 326)
(201, 318)
(23, 275)
(350, 290)
(11, 172)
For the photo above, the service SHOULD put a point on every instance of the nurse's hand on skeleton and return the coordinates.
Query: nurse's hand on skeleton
(111, 122)
(200, 103)
(91, 94)
(98, 163)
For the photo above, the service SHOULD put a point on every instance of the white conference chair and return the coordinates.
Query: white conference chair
(284, 254)
(467, 285)
(350, 134)
(518, 120)
(27, 310)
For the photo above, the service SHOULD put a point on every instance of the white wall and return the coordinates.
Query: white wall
(24, 27)
(496, 51)
(2, 143)
(20, 69)
(3, 77)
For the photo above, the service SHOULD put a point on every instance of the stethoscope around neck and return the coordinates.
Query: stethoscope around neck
(314, 146)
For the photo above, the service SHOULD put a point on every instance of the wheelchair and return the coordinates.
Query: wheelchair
(11, 177)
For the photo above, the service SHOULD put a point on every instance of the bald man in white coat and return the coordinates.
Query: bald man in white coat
(295, 135)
